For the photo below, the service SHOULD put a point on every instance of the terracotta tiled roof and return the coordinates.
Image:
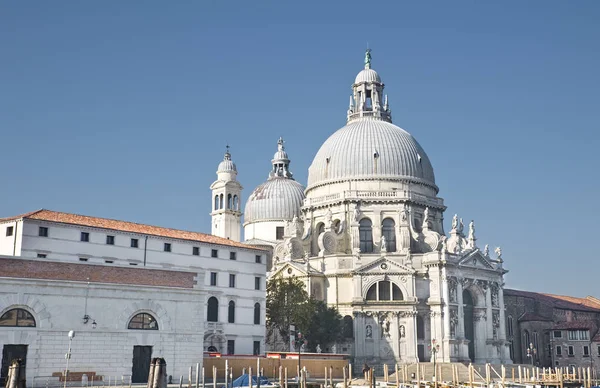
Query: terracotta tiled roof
(576, 325)
(587, 301)
(556, 301)
(79, 272)
(597, 337)
(125, 226)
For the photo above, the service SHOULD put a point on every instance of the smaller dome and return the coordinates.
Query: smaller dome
(227, 164)
(367, 75)
(277, 199)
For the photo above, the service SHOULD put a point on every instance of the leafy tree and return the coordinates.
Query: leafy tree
(324, 327)
(288, 304)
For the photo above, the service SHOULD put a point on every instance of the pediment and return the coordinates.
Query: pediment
(475, 259)
(291, 268)
(384, 265)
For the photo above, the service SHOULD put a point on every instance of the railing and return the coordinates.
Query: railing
(375, 195)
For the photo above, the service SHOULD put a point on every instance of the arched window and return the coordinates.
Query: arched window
(388, 229)
(231, 312)
(221, 201)
(527, 338)
(420, 328)
(143, 321)
(236, 203)
(365, 230)
(257, 313)
(229, 201)
(17, 317)
(384, 291)
(348, 327)
(509, 323)
(216, 202)
(212, 309)
(320, 229)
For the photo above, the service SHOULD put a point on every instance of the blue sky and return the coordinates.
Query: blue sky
(123, 109)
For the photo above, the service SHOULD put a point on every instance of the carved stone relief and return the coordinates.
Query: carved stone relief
(453, 322)
(495, 295)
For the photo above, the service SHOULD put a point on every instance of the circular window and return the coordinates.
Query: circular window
(289, 271)
(383, 266)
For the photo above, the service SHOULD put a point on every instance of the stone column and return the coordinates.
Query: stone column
(504, 353)
(357, 292)
(490, 321)
(460, 327)
(446, 319)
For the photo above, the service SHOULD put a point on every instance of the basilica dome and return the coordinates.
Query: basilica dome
(369, 146)
(280, 197)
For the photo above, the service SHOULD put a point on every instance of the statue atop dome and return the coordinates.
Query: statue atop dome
(368, 59)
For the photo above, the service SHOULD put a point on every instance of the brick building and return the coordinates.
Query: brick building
(553, 330)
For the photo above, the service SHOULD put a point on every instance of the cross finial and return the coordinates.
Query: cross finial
(227, 154)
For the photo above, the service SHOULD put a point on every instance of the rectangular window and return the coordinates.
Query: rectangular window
(85, 237)
(559, 351)
(571, 351)
(257, 283)
(586, 351)
(9, 230)
(167, 247)
(557, 334)
(258, 259)
(134, 243)
(133, 263)
(232, 256)
(230, 346)
(213, 278)
(83, 259)
(584, 335)
(231, 280)
(279, 231)
(110, 240)
(109, 261)
(214, 253)
(43, 231)
(256, 348)
(196, 251)
(41, 255)
(572, 335)
(598, 350)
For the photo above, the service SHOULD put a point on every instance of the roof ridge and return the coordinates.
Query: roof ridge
(117, 220)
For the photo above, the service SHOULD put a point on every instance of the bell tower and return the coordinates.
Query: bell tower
(226, 197)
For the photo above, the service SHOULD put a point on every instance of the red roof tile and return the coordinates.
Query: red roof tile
(125, 226)
(574, 325)
(557, 301)
(587, 301)
(50, 270)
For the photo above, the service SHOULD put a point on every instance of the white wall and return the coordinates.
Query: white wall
(10, 245)
(63, 244)
(59, 306)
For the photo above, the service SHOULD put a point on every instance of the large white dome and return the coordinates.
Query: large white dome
(280, 197)
(368, 149)
(277, 199)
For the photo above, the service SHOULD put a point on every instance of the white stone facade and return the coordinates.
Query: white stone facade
(239, 270)
(370, 241)
(103, 345)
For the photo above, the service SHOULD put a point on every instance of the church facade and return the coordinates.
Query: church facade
(367, 236)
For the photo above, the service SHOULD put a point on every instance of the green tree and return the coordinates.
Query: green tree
(288, 304)
(324, 327)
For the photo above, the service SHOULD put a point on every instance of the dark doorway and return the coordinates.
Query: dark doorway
(421, 352)
(9, 353)
(142, 356)
(468, 320)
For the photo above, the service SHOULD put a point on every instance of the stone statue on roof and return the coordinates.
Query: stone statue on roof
(368, 59)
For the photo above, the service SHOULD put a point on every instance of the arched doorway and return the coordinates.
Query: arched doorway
(468, 304)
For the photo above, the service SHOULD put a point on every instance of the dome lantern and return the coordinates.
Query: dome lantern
(367, 95)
